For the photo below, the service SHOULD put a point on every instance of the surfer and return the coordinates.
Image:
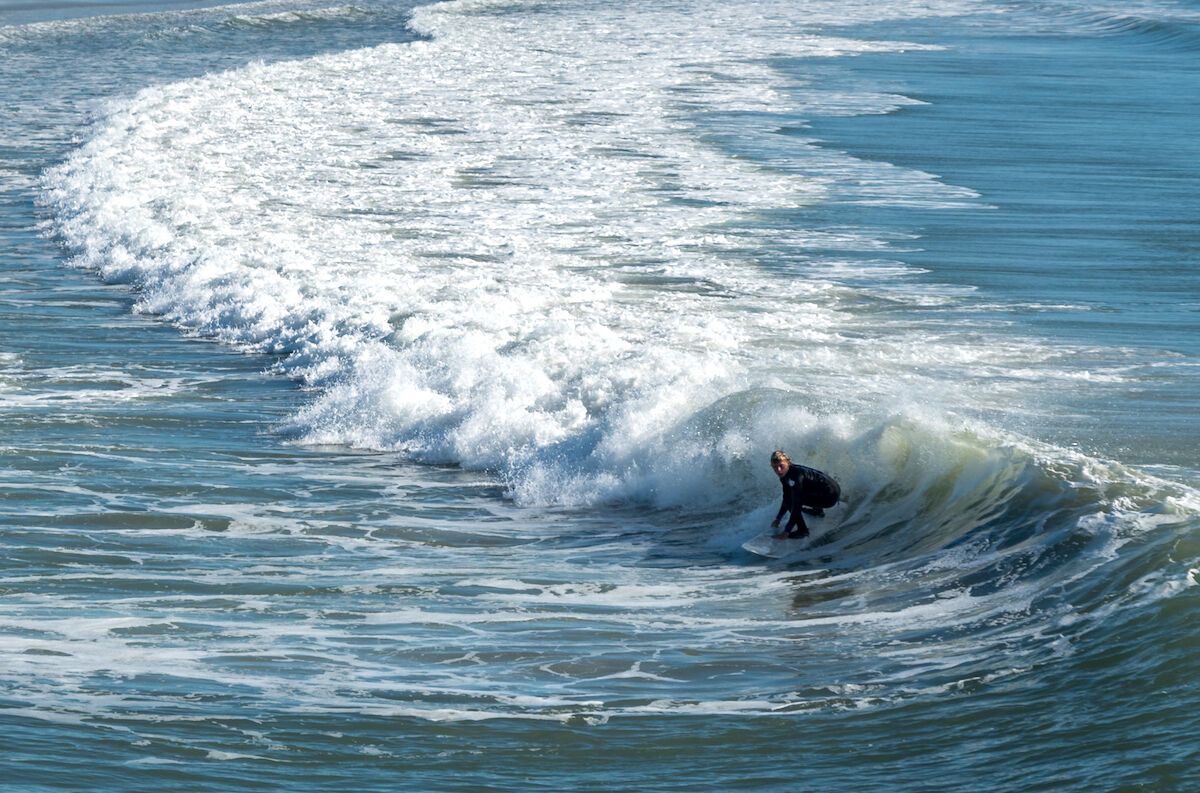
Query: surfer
(804, 490)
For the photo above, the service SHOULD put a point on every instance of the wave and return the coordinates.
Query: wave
(510, 247)
(290, 16)
(1156, 25)
(168, 24)
(1178, 35)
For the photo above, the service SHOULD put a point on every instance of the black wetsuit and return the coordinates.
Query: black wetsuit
(805, 487)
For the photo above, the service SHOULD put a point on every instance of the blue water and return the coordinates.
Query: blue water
(388, 391)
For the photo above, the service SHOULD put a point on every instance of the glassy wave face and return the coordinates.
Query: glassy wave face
(593, 253)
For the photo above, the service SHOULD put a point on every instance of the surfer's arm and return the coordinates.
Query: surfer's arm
(796, 521)
(793, 499)
(783, 505)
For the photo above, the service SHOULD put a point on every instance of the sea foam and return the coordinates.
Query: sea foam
(511, 247)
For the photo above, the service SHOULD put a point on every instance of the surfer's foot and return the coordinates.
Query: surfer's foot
(797, 534)
(816, 512)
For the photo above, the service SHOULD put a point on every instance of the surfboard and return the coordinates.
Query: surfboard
(767, 545)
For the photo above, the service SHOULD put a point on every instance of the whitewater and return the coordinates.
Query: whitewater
(512, 301)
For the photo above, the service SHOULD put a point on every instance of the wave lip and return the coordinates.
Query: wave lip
(1178, 34)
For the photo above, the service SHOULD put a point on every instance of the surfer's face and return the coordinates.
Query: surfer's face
(779, 467)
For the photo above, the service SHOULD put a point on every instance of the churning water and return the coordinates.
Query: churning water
(388, 392)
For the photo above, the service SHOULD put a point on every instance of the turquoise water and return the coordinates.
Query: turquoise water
(388, 394)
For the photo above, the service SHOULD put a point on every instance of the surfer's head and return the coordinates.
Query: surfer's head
(780, 462)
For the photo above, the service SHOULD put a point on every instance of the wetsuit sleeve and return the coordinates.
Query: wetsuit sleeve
(793, 500)
(783, 505)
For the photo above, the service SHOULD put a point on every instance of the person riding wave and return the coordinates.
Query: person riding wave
(805, 490)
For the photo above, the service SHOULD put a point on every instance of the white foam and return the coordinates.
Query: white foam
(510, 247)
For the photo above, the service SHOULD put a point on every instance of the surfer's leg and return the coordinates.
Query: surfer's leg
(818, 499)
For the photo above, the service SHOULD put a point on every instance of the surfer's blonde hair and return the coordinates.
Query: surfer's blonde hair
(780, 456)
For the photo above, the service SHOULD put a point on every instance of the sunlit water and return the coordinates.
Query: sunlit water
(387, 395)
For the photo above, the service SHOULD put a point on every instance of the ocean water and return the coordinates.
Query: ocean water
(388, 388)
